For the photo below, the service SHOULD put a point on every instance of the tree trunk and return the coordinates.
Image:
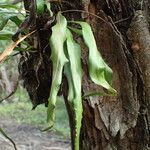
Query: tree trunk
(123, 38)
(121, 29)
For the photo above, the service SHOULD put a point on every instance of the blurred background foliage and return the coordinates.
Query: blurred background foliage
(18, 107)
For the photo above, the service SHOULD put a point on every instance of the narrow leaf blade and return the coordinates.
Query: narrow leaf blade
(99, 71)
(73, 72)
(10, 49)
(58, 58)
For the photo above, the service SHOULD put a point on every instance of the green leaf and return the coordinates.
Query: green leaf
(58, 58)
(78, 31)
(3, 20)
(5, 35)
(99, 71)
(73, 72)
(4, 17)
(9, 6)
(74, 56)
(40, 4)
(16, 20)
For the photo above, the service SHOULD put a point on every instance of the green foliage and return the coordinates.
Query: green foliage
(10, 18)
(5, 35)
(6, 15)
(8, 6)
(59, 59)
(40, 6)
(99, 71)
(73, 72)
(66, 55)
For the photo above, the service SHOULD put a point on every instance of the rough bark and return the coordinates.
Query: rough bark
(121, 122)
(122, 35)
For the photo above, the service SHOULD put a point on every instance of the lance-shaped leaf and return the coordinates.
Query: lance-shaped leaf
(58, 58)
(99, 71)
(73, 72)
(74, 56)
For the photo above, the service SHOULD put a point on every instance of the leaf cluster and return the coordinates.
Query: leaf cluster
(8, 12)
(66, 59)
(66, 54)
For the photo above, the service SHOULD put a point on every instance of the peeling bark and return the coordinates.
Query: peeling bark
(121, 122)
(140, 43)
(139, 36)
(109, 123)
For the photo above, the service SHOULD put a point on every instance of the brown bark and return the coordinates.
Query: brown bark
(122, 122)
(109, 123)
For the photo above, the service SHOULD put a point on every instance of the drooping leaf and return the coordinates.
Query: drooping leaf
(9, 50)
(99, 71)
(74, 57)
(58, 58)
(73, 72)
(67, 72)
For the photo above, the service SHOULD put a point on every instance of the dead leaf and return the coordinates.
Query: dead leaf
(9, 49)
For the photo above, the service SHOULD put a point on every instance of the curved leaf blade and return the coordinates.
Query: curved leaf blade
(99, 71)
(74, 56)
(73, 72)
(58, 58)
(10, 49)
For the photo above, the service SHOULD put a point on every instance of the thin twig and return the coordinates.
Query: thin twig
(82, 11)
(7, 137)
(116, 22)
